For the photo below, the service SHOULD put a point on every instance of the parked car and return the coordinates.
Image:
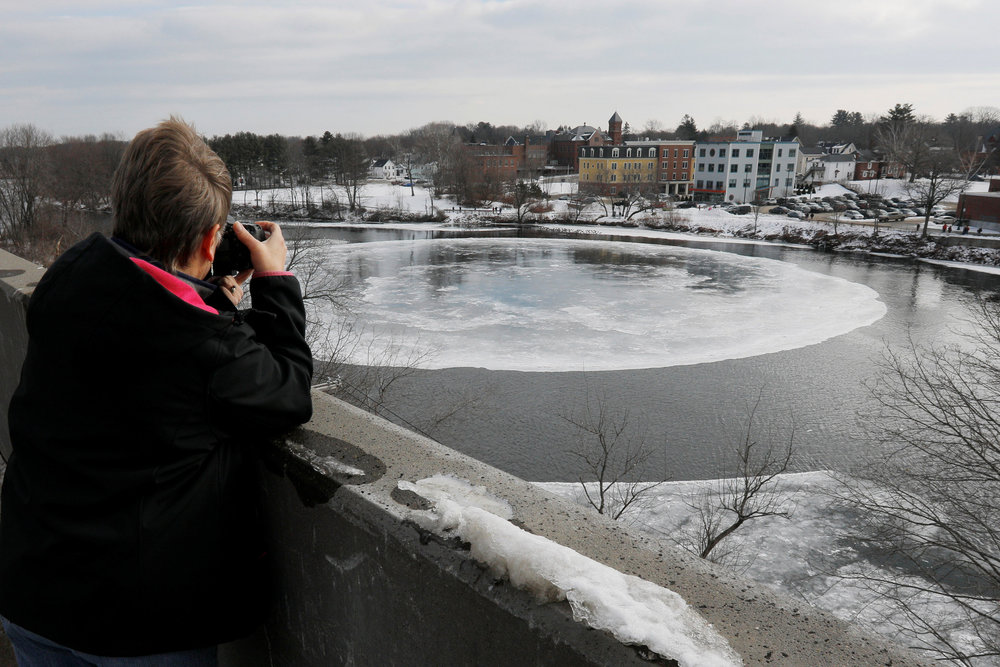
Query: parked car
(853, 215)
(777, 210)
(795, 214)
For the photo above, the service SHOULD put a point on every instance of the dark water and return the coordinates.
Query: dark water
(691, 416)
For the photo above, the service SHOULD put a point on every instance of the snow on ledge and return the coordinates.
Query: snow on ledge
(635, 611)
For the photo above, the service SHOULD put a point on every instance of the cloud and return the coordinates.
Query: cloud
(310, 65)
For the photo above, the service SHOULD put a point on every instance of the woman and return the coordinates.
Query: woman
(129, 529)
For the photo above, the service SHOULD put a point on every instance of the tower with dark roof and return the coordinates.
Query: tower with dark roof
(615, 129)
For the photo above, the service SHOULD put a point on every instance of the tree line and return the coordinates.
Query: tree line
(48, 185)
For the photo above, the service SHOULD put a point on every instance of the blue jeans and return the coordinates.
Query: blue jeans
(34, 650)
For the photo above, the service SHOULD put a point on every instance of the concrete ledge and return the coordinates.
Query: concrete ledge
(358, 583)
(18, 278)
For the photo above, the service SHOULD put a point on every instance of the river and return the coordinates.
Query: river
(701, 330)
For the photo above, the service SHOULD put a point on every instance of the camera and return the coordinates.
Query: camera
(231, 256)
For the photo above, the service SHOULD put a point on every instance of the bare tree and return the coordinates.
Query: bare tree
(350, 361)
(352, 169)
(614, 451)
(926, 497)
(750, 492)
(522, 195)
(23, 175)
(939, 180)
(907, 142)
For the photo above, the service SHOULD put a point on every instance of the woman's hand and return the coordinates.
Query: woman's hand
(268, 255)
(230, 286)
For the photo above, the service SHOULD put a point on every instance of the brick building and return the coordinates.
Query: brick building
(981, 208)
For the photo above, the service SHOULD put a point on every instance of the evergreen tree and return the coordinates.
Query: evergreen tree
(687, 129)
(899, 115)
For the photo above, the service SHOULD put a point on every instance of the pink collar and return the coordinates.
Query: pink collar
(176, 286)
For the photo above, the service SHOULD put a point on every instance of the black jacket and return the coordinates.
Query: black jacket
(129, 521)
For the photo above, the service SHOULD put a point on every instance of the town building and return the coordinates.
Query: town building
(872, 167)
(647, 167)
(619, 169)
(748, 169)
(981, 209)
(564, 147)
(508, 161)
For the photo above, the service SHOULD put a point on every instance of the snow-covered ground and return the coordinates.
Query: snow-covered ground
(635, 611)
(809, 556)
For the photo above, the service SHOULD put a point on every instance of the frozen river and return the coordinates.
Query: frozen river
(516, 333)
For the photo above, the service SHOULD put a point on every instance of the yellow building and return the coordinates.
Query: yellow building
(610, 170)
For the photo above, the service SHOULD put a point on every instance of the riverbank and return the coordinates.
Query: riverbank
(383, 202)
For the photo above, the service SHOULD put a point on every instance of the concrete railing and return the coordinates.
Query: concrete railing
(359, 583)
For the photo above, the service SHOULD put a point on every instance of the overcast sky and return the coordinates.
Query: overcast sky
(384, 66)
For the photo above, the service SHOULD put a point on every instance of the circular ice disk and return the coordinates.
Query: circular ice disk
(570, 305)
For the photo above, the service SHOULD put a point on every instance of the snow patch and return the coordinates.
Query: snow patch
(635, 611)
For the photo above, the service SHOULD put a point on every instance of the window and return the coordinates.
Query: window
(711, 166)
(614, 152)
(675, 153)
(701, 152)
(628, 152)
(790, 167)
(684, 165)
(732, 182)
(722, 152)
(685, 153)
(748, 168)
(733, 168)
(628, 165)
(788, 182)
(701, 166)
(651, 152)
(736, 152)
(614, 177)
(673, 176)
(701, 184)
(746, 182)
(664, 165)
(791, 152)
(776, 181)
(779, 152)
(718, 185)
(749, 152)
(613, 189)
(614, 165)
(684, 175)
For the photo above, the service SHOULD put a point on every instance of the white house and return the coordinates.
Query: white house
(837, 168)
(383, 168)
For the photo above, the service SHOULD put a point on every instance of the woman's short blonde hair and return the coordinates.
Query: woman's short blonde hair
(169, 189)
